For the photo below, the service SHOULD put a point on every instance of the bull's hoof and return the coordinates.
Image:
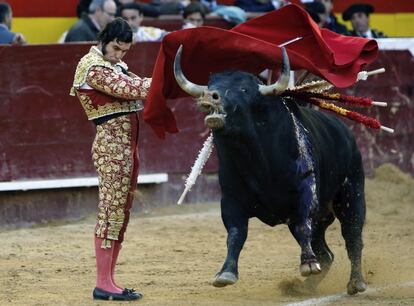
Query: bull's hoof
(356, 285)
(310, 267)
(224, 279)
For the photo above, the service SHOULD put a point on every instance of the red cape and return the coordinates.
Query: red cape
(253, 47)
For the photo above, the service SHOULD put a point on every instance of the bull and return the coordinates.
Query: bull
(284, 164)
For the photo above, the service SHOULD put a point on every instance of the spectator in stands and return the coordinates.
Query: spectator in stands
(331, 23)
(101, 12)
(358, 14)
(193, 15)
(82, 7)
(133, 14)
(232, 14)
(169, 7)
(317, 12)
(146, 9)
(6, 36)
(255, 5)
(110, 96)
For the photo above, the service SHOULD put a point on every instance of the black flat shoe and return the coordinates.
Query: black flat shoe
(126, 295)
(132, 291)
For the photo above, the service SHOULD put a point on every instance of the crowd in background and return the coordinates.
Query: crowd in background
(94, 15)
(321, 12)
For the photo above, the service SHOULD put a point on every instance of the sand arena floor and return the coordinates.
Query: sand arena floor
(171, 255)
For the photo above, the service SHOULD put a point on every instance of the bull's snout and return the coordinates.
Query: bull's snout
(209, 101)
(215, 120)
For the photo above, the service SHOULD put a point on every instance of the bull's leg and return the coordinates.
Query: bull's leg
(308, 261)
(321, 249)
(236, 224)
(301, 226)
(350, 210)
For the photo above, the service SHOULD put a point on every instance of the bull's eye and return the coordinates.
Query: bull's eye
(215, 96)
(243, 89)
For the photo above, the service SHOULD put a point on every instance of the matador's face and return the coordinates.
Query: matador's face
(115, 50)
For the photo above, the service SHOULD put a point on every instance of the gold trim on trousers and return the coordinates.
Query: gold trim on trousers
(115, 156)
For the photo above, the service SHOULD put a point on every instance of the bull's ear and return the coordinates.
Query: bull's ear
(190, 88)
(282, 84)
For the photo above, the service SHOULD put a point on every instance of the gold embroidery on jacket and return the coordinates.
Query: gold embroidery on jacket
(101, 75)
(117, 85)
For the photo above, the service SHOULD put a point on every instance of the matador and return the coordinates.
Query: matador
(111, 97)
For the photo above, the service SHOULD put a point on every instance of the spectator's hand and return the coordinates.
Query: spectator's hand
(19, 39)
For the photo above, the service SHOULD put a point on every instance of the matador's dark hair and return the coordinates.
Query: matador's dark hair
(118, 30)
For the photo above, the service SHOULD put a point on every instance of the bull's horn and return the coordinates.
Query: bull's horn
(283, 82)
(190, 88)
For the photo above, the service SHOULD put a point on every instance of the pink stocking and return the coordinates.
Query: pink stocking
(104, 267)
(117, 247)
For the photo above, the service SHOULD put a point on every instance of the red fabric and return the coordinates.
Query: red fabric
(253, 47)
(97, 98)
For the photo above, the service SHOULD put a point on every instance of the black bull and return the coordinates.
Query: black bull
(282, 163)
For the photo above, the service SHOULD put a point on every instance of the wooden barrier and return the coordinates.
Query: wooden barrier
(45, 134)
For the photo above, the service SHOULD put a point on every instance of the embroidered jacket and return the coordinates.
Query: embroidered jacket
(105, 89)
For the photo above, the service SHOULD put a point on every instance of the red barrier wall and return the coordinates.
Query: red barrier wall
(395, 86)
(45, 134)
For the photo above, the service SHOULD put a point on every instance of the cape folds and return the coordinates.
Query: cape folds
(253, 46)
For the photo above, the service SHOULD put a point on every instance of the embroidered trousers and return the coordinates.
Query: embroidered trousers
(115, 156)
